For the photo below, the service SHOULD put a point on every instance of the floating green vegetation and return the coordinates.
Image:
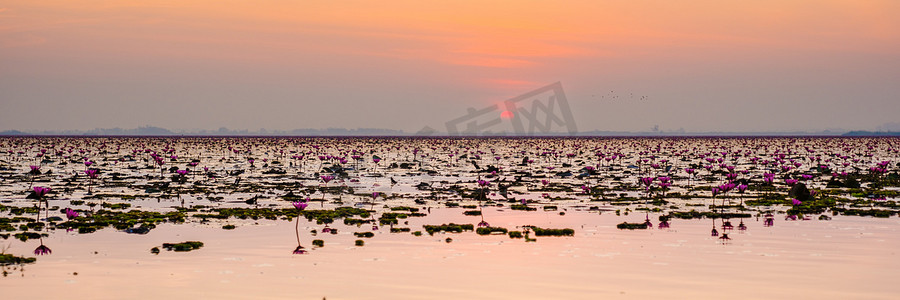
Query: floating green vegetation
(490, 230)
(472, 212)
(552, 231)
(121, 220)
(366, 234)
(878, 213)
(631, 226)
(812, 207)
(391, 218)
(9, 259)
(431, 229)
(115, 205)
(318, 243)
(354, 221)
(417, 233)
(183, 246)
(522, 207)
(29, 235)
(515, 234)
(767, 202)
(360, 243)
(228, 227)
(105, 196)
(18, 211)
(320, 216)
(550, 207)
(400, 229)
(693, 214)
(405, 208)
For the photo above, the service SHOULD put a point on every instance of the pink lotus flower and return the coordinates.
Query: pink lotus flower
(300, 205)
(796, 202)
(40, 191)
(71, 214)
(299, 250)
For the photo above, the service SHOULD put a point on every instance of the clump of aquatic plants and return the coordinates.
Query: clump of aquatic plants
(522, 207)
(631, 226)
(367, 234)
(490, 230)
(693, 214)
(183, 246)
(551, 231)
(452, 227)
(9, 259)
(321, 216)
(472, 212)
(121, 220)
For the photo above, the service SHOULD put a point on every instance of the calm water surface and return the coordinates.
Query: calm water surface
(844, 258)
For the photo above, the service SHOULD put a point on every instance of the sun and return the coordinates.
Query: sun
(506, 115)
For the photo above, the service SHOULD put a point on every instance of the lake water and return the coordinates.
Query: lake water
(846, 257)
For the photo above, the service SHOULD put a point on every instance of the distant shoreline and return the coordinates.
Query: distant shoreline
(458, 136)
(376, 132)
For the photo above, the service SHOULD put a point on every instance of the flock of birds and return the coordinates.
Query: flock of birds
(612, 95)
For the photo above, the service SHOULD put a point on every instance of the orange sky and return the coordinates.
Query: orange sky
(423, 55)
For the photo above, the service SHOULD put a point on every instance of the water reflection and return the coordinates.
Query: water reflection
(726, 225)
(299, 205)
(647, 220)
(663, 222)
(42, 250)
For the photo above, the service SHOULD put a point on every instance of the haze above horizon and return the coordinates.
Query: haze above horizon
(697, 66)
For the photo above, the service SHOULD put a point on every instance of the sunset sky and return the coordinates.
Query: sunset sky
(702, 65)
